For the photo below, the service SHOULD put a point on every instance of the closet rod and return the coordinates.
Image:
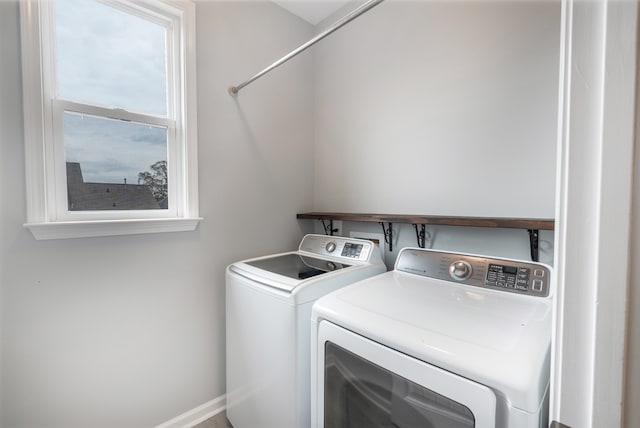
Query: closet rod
(233, 90)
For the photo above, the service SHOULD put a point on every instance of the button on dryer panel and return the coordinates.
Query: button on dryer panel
(537, 285)
(460, 270)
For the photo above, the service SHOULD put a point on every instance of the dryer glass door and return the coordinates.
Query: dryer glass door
(361, 394)
(364, 384)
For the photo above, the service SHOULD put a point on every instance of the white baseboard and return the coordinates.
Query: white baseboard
(199, 414)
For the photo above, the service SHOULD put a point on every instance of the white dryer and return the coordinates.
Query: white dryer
(268, 312)
(444, 340)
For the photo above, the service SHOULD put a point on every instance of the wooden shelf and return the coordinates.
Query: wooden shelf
(532, 225)
(500, 222)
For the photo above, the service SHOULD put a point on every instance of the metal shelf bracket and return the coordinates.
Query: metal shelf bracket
(328, 230)
(533, 243)
(388, 234)
(421, 236)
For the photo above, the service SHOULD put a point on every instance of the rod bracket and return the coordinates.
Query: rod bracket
(328, 229)
(388, 234)
(233, 91)
(421, 236)
(533, 243)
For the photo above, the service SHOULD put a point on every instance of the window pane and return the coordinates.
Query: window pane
(114, 165)
(110, 58)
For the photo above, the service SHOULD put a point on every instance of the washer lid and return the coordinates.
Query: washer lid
(289, 272)
(296, 266)
(319, 257)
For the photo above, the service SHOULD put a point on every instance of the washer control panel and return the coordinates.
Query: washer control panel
(337, 246)
(513, 276)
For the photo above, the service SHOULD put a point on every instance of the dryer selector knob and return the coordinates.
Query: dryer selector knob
(330, 247)
(460, 270)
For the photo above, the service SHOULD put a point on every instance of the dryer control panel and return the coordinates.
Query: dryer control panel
(507, 275)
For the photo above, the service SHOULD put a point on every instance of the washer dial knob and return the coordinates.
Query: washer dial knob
(330, 247)
(460, 270)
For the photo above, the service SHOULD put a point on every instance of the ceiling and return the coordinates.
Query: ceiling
(312, 11)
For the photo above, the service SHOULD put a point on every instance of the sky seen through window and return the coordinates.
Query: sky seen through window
(113, 59)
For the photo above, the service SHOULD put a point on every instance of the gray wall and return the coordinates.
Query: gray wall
(129, 331)
(441, 108)
(434, 107)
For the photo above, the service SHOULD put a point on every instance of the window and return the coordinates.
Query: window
(110, 131)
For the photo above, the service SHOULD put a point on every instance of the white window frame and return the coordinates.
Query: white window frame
(48, 216)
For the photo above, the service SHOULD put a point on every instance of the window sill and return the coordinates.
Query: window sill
(86, 229)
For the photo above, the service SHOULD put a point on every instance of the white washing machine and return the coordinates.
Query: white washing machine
(444, 340)
(268, 304)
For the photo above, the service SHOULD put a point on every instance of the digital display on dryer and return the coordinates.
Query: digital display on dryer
(502, 276)
(511, 270)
